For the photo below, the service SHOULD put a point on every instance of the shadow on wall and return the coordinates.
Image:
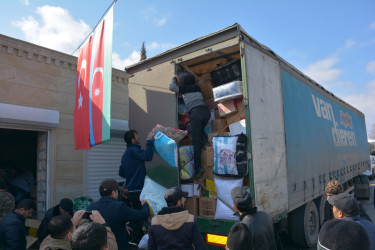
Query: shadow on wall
(160, 108)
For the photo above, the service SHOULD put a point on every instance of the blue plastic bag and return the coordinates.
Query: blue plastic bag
(166, 148)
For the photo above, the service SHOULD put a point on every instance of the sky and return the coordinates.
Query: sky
(333, 41)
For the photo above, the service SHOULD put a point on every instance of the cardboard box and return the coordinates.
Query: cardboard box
(186, 141)
(239, 115)
(207, 206)
(207, 156)
(216, 134)
(192, 205)
(227, 107)
(210, 104)
(237, 128)
(206, 86)
(216, 114)
(219, 125)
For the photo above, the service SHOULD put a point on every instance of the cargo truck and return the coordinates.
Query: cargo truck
(299, 135)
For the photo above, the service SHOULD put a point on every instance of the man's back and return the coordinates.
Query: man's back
(368, 226)
(116, 214)
(12, 230)
(6, 203)
(174, 228)
(260, 226)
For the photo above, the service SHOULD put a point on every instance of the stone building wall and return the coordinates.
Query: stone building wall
(34, 76)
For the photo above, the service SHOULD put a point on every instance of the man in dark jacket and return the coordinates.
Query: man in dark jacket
(65, 207)
(133, 167)
(256, 228)
(346, 207)
(174, 227)
(12, 227)
(117, 213)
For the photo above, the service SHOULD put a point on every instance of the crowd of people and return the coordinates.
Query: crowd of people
(105, 223)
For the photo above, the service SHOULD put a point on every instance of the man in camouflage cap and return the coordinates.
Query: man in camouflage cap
(6, 200)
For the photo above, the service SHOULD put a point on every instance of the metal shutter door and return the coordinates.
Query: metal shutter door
(103, 162)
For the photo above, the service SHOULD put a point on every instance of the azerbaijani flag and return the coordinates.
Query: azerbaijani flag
(92, 111)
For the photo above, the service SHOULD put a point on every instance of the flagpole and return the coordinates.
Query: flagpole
(113, 3)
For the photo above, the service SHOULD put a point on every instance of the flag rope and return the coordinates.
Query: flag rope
(113, 3)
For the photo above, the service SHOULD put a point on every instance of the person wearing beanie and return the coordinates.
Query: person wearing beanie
(174, 227)
(342, 235)
(64, 207)
(255, 230)
(346, 207)
(199, 114)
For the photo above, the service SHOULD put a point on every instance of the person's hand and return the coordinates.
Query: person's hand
(97, 217)
(128, 229)
(150, 136)
(77, 217)
(143, 202)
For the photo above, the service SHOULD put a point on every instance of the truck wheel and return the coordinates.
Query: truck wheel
(304, 225)
(320, 203)
(364, 179)
(356, 180)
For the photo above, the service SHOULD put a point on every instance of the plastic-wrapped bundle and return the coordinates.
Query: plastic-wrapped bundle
(153, 193)
(231, 90)
(224, 155)
(172, 133)
(166, 148)
(186, 162)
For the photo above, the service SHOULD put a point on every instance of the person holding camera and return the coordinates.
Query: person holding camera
(62, 227)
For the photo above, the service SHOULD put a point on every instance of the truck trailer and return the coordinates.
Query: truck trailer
(299, 135)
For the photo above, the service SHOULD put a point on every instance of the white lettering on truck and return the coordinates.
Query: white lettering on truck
(341, 137)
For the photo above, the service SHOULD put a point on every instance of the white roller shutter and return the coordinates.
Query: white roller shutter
(103, 162)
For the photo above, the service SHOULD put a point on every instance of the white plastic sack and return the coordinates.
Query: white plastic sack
(143, 243)
(166, 148)
(224, 187)
(224, 155)
(153, 193)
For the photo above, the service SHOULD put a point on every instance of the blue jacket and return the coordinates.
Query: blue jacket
(133, 167)
(174, 228)
(368, 226)
(12, 231)
(116, 214)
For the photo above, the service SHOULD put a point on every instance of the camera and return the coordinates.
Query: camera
(86, 215)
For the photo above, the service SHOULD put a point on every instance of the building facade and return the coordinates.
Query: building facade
(37, 98)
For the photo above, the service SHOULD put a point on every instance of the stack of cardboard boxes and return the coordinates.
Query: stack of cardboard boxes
(227, 119)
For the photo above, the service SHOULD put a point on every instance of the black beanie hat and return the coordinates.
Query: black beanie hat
(343, 234)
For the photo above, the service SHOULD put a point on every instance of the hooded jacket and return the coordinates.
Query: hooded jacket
(174, 228)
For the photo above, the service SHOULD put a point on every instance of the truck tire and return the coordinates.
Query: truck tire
(356, 180)
(364, 179)
(304, 225)
(320, 203)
